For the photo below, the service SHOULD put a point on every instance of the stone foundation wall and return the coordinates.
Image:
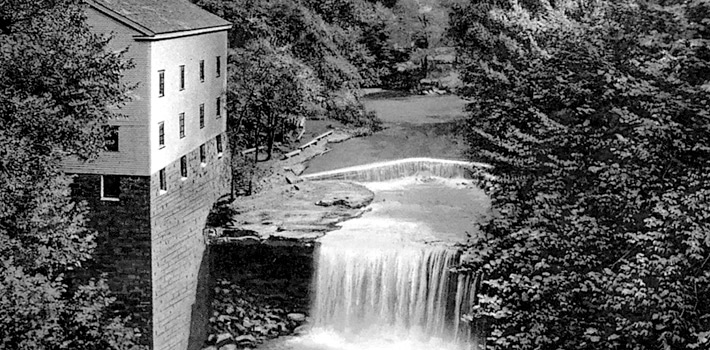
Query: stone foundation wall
(123, 249)
(178, 218)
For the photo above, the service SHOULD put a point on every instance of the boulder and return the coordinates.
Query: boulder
(246, 340)
(296, 317)
(352, 200)
(298, 169)
(225, 341)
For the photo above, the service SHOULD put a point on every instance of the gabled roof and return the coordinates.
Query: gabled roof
(153, 17)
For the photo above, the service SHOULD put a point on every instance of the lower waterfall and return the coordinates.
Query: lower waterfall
(391, 296)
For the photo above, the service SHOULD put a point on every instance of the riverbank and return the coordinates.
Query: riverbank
(415, 126)
(262, 231)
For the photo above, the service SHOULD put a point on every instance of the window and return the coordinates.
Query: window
(202, 71)
(161, 134)
(202, 115)
(218, 105)
(219, 145)
(163, 181)
(182, 77)
(111, 138)
(110, 187)
(203, 155)
(182, 125)
(183, 167)
(161, 83)
(219, 66)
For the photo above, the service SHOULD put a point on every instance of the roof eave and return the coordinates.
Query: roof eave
(182, 33)
(122, 19)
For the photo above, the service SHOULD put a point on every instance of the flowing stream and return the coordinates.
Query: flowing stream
(384, 281)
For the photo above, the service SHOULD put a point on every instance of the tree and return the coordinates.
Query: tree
(267, 86)
(57, 89)
(597, 124)
(291, 59)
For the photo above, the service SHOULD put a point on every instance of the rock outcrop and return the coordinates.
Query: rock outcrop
(298, 212)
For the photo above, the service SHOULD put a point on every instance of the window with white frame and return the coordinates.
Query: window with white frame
(203, 155)
(202, 115)
(182, 125)
(161, 83)
(182, 77)
(183, 167)
(110, 187)
(163, 181)
(161, 134)
(111, 138)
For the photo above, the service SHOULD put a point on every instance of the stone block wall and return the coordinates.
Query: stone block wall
(178, 218)
(123, 249)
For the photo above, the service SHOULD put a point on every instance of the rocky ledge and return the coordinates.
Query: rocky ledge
(300, 212)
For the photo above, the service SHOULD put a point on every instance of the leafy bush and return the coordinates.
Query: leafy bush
(57, 84)
(597, 123)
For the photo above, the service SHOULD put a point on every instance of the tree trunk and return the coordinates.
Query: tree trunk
(256, 142)
(271, 136)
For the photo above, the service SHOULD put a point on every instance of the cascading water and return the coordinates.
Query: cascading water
(396, 169)
(398, 293)
(384, 281)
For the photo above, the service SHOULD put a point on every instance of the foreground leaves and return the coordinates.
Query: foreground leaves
(595, 116)
(57, 87)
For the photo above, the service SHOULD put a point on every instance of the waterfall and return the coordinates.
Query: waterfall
(395, 169)
(393, 292)
(380, 283)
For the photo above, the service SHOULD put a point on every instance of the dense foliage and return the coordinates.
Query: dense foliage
(56, 86)
(595, 114)
(294, 59)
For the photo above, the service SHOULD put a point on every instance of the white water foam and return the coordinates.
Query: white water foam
(378, 285)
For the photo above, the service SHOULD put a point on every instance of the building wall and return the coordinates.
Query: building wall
(169, 55)
(178, 217)
(132, 157)
(123, 249)
(151, 243)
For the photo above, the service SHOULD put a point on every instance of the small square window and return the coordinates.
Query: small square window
(183, 167)
(182, 125)
(161, 83)
(110, 138)
(218, 105)
(161, 134)
(110, 187)
(202, 70)
(202, 115)
(203, 155)
(219, 145)
(219, 66)
(182, 77)
(163, 181)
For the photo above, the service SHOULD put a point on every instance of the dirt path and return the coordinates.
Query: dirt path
(416, 126)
